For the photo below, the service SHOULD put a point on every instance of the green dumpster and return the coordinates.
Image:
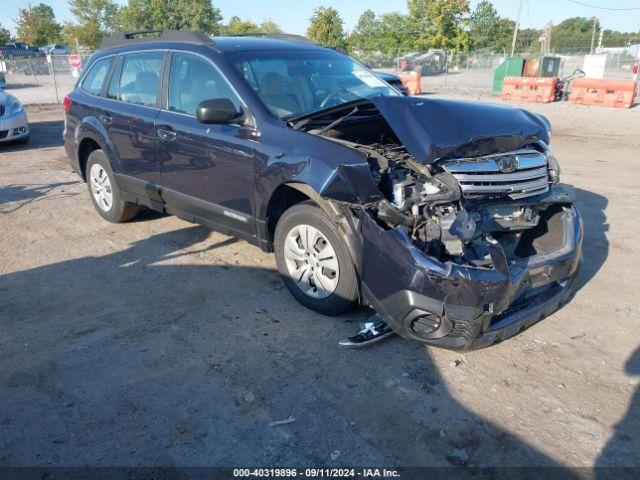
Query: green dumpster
(510, 67)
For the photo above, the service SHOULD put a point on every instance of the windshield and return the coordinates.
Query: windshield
(295, 82)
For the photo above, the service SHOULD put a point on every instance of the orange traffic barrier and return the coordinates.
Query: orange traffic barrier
(411, 80)
(606, 93)
(529, 89)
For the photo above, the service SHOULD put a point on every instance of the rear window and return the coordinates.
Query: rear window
(94, 81)
(140, 78)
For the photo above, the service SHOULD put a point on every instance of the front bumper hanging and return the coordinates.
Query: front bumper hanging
(463, 307)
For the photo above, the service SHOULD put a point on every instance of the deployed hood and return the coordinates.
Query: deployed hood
(432, 129)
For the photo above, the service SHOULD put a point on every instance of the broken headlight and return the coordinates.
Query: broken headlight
(554, 168)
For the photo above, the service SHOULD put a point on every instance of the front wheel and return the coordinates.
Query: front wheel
(104, 191)
(313, 260)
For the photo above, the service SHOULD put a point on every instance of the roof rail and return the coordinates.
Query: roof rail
(278, 36)
(148, 36)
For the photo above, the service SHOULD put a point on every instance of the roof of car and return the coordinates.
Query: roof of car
(223, 44)
(242, 44)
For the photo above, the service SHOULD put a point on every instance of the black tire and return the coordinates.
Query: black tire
(345, 294)
(120, 210)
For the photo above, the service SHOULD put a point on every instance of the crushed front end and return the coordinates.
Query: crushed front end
(463, 254)
(475, 239)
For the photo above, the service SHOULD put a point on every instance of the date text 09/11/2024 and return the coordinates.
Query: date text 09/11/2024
(317, 472)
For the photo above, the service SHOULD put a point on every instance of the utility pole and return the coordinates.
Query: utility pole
(547, 35)
(515, 32)
(600, 39)
(593, 34)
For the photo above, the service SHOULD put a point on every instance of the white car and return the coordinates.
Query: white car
(14, 126)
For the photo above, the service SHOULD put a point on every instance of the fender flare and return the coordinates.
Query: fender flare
(343, 216)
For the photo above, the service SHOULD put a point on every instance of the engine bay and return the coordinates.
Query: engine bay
(433, 205)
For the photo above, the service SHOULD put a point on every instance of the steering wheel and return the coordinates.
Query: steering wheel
(334, 94)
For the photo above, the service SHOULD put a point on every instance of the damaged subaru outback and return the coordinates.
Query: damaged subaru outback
(447, 218)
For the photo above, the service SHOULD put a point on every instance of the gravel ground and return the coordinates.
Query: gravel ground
(158, 343)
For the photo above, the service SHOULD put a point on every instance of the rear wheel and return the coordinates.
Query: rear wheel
(313, 260)
(104, 191)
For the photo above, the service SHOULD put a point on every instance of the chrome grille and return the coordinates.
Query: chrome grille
(483, 176)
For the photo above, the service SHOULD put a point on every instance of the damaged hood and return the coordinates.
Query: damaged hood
(432, 129)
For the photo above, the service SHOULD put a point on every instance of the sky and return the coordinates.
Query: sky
(293, 15)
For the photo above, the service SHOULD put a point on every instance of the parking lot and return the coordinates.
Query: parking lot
(158, 343)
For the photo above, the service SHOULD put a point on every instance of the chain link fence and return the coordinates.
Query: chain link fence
(36, 78)
(40, 79)
(475, 70)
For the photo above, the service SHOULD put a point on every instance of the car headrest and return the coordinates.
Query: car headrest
(272, 84)
(146, 82)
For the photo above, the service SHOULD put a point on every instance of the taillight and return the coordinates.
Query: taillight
(66, 104)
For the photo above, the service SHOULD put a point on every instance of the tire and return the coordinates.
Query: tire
(339, 287)
(22, 141)
(110, 207)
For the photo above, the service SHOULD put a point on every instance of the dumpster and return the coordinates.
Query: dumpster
(541, 67)
(538, 66)
(510, 67)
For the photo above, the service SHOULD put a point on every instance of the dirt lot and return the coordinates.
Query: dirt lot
(157, 342)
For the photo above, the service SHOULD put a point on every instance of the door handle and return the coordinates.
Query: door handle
(165, 134)
(106, 119)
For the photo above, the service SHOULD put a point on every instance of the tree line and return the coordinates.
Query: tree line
(95, 19)
(437, 24)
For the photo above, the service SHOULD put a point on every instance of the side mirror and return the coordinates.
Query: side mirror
(217, 110)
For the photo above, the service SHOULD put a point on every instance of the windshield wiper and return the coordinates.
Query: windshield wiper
(337, 121)
(302, 120)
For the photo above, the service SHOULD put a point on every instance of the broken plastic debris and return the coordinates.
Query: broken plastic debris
(275, 423)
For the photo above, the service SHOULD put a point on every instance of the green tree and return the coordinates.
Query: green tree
(37, 25)
(528, 40)
(94, 19)
(365, 35)
(237, 26)
(439, 24)
(5, 35)
(394, 33)
(326, 28)
(198, 15)
(269, 26)
(485, 27)
(613, 38)
(573, 34)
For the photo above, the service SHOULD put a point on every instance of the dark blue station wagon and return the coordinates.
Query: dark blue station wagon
(448, 218)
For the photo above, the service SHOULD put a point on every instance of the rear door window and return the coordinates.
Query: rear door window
(93, 83)
(140, 78)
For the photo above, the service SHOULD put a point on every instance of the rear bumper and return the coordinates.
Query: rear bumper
(471, 307)
(14, 127)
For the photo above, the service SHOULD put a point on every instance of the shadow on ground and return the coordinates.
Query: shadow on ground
(621, 449)
(592, 207)
(14, 197)
(43, 134)
(149, 356)
(125, 359)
